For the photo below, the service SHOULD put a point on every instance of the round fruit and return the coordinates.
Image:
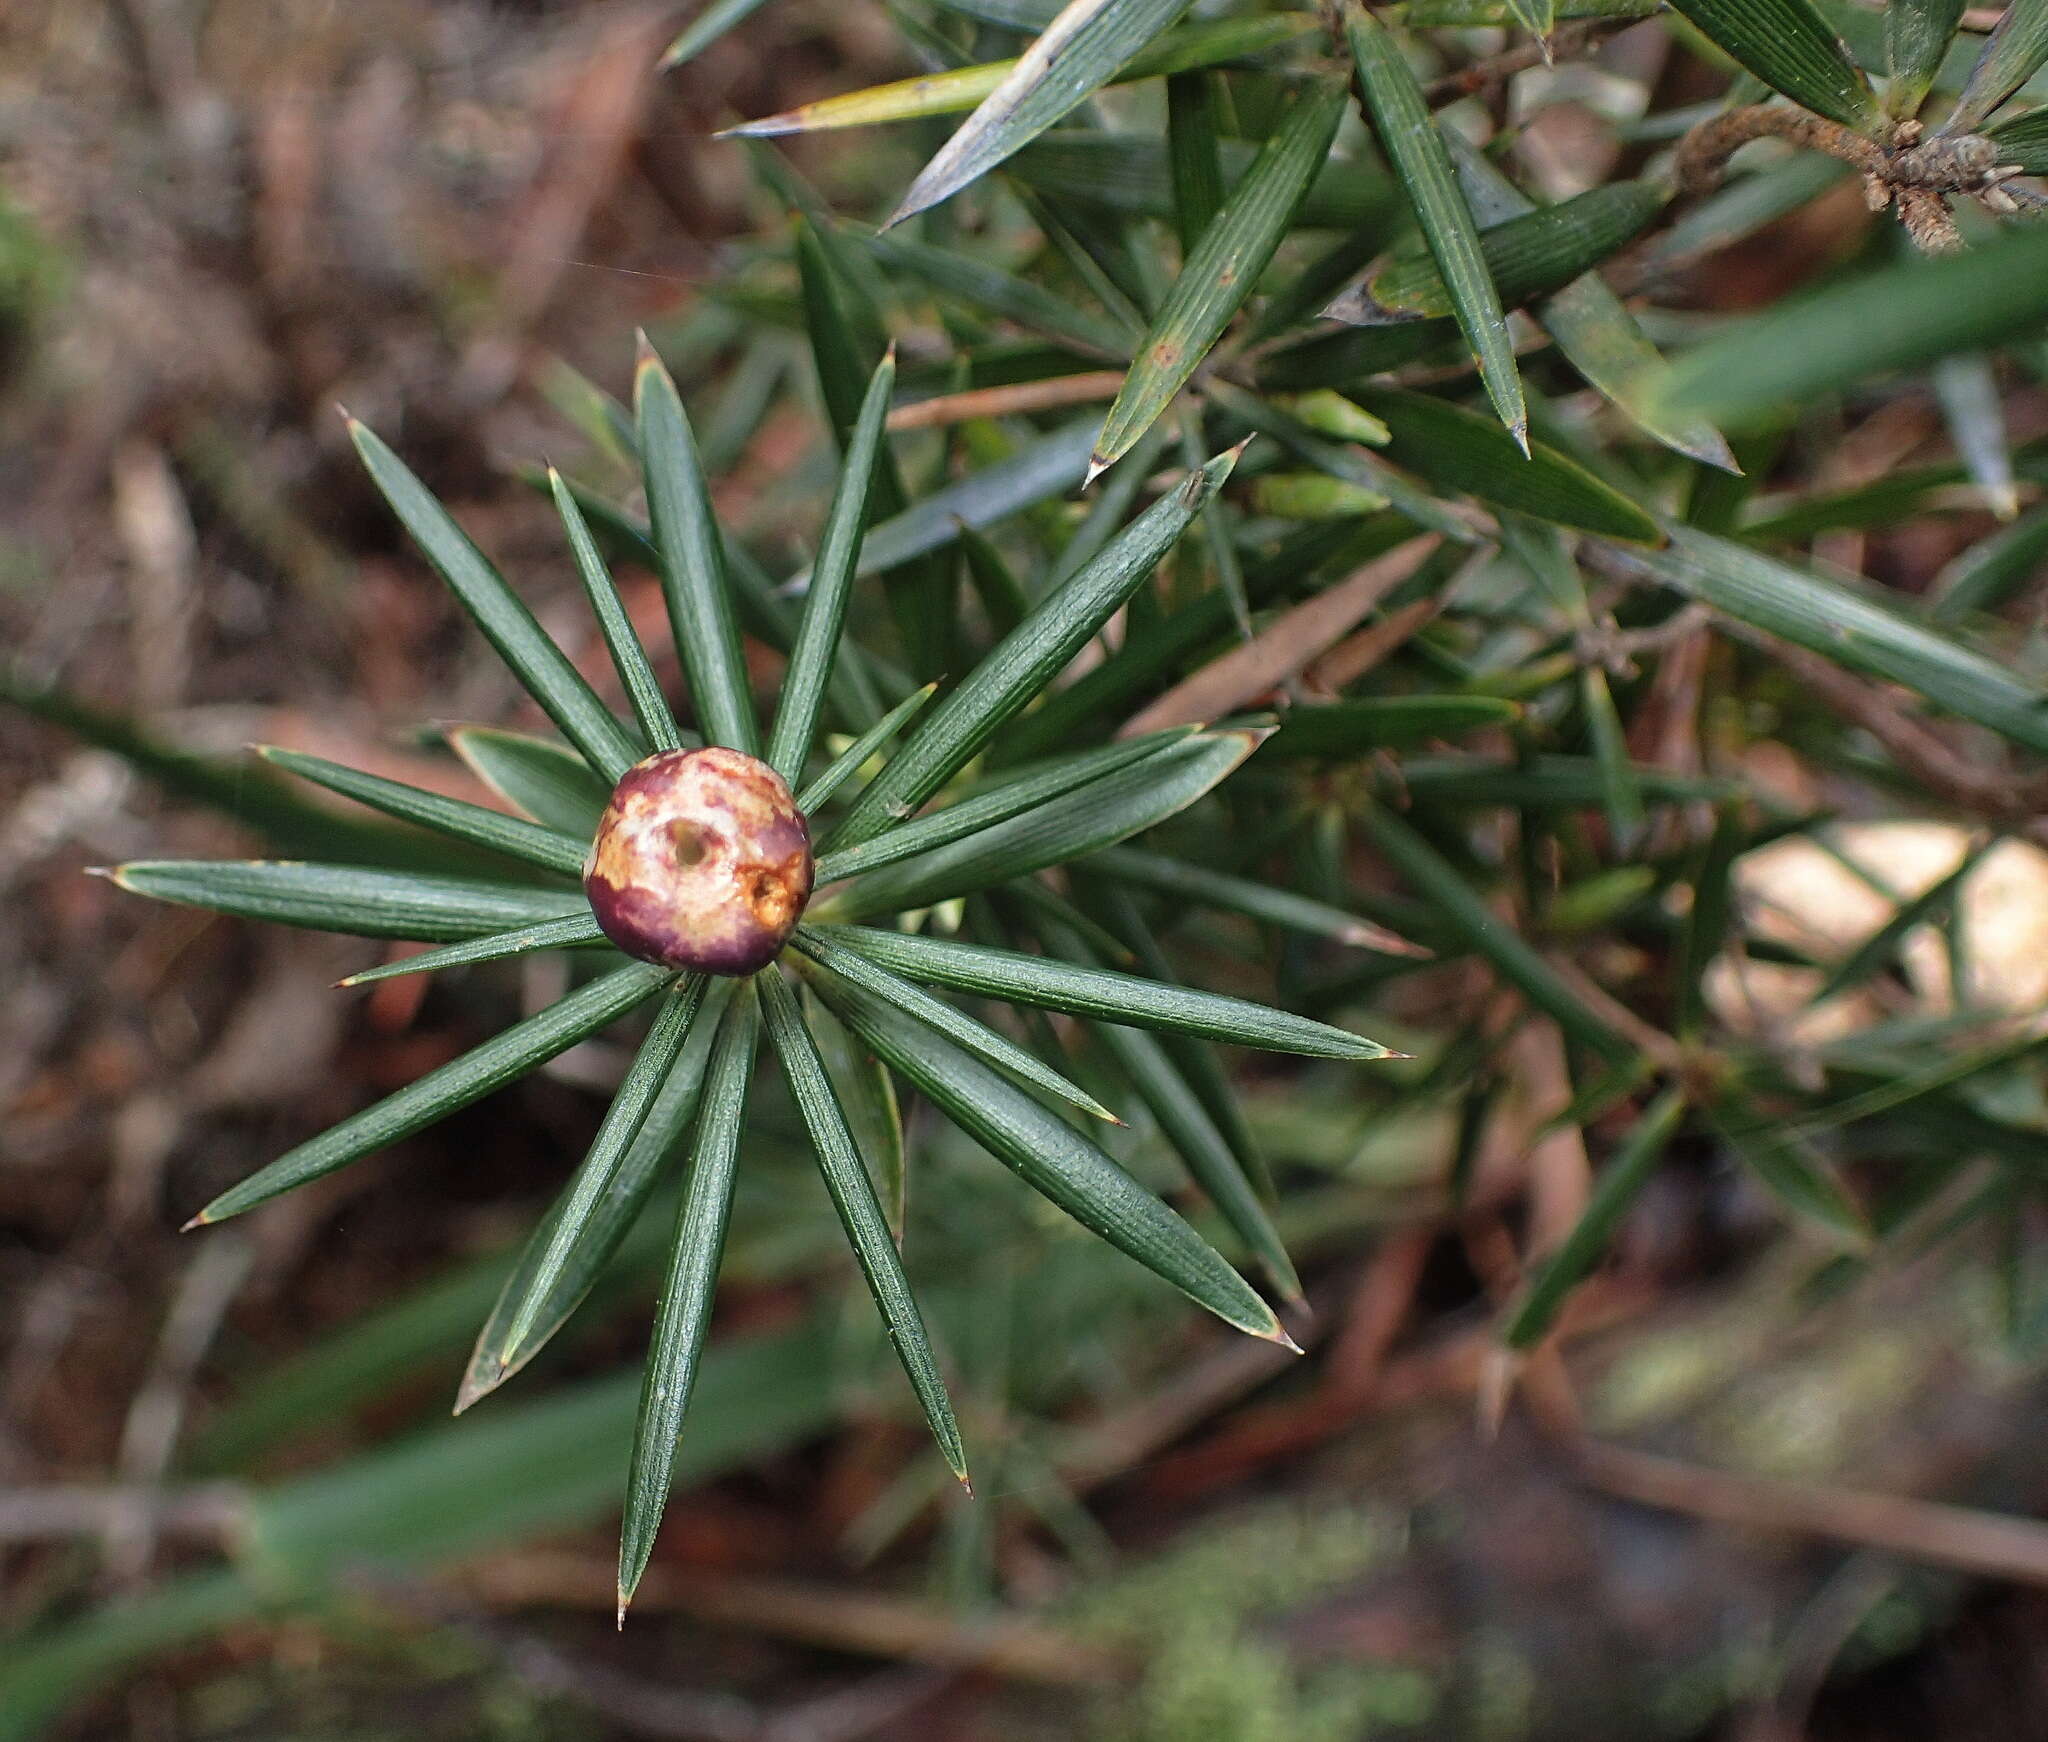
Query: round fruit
(702, 861)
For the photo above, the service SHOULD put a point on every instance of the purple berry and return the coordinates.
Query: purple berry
(702, 861)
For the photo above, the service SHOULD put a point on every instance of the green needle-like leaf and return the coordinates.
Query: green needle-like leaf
(1012, 797)
(1095, 816)
(718, 17)
(1194, 1135)
(692, 562)
(1466, 912)
(1209, 1157)
(817, 636)
(684, 1313)
(2012, 55)
(629, 658)
(1345, 730)
(345, 898)
(850, 760)
(853, 1196)
(1263, 902)
(447, 816)
(1132, 174)
(1224, 268)
(501, 614)
(1081, 49)
(1456, 449)
(1621, 1180)
(977, 1037)
(1895, 319)
(566, 933)
(1797, 1177)
(1401, 120)
(1846, 626)
(1916, 38)
(1192, 148)
(492, 1362)
(500, 1060)
(959, 89)
(1028, 658)
(983, 287)
(1788, 44)
(1528, 256)
(1050, 466)
(867, 1096)
(1055, 1160)
(2024, 140)
(1102, 993)
(548, 781)
(598, 1173)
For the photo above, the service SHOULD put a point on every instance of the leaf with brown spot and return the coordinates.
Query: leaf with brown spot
(1223, 268)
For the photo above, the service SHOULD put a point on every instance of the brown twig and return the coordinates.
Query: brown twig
(1280, 650)
(1018, 396)
(1496, 69)
(1985, 1543)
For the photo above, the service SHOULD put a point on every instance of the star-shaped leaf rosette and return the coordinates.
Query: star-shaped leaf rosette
(733, 886)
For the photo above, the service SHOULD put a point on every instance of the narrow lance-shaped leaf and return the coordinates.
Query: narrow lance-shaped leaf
(500, 1060)
(959, 89)
(853, 1196)
(1796, 1176)
(1223, 270)
(1191, 144)
(1024, 792)
(1916, 37)
(546, 780)
(1095, 816)
(964, 1030)
(1188, 1127)
(817, 638)
(1194, 1061)
(1456, 449)
(2015, 51)
(983, 287)
(718, 17)
(1541, 250)
(2024, 140)
(1055, 1160)
(1829, 618)
(1967, 387)
(1620, 1182)
(1049, 466)
(629, 658)
(566, 933)
(1131, 173)
(1991, 571)
(598, 1172)
(692, 563)
(604, 1231)
(345, 898)
(683, 1316)
(1264, 902)
(1102, 993)
(507, 624)
(1894, 319)
(515, 838)
(1485, 931)
(849, 761)
(1401, 120)
(1028, 658)
(1081, 49)
(1788, 44)
(867, 1096)
(1594, 329)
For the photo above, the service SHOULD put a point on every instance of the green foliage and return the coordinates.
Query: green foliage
(1514, 789)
